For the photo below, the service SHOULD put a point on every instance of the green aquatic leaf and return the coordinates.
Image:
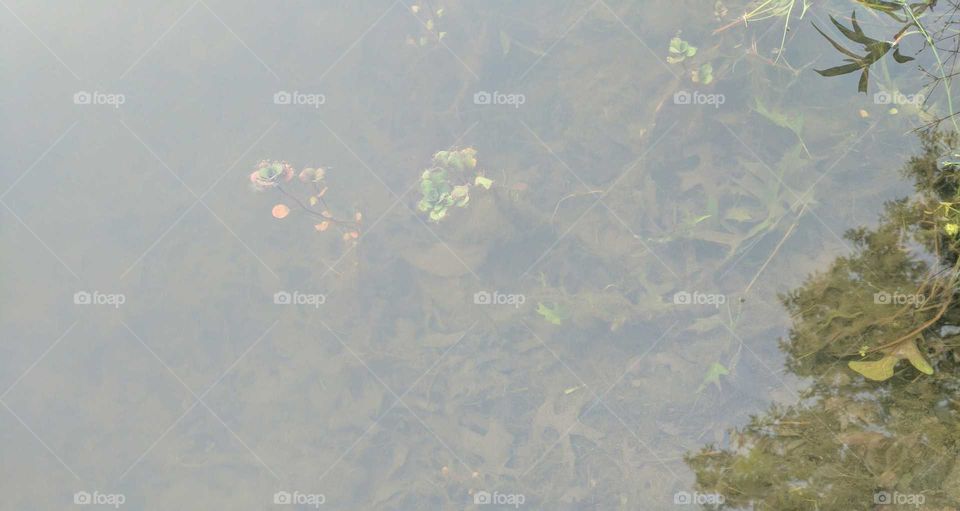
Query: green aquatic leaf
(901, 58)
(880, 370)
(881, 5)
(680, 50)
(908, 350)
(714, 372)
(705, 74)
(553, 315)
(485, 182)
(877, 370)
(438, 213)
(460, 195)
(504, 42)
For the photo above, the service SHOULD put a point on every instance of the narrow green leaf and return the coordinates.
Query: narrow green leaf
(901, 58)
(836, 45)
(839, 70)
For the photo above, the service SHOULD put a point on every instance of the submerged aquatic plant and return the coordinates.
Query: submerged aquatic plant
(445, 185)
(273, 175)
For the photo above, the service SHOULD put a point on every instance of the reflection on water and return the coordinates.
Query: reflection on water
(471, 255)
(884, 308)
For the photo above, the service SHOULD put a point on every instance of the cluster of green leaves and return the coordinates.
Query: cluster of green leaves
(874, 50)
(680, 50)
(439, 193)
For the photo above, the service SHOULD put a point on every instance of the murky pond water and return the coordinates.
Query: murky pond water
(641, 274)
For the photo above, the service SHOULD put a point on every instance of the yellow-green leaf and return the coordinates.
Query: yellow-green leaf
(877, 370)
(485, 182)
(909, 351)
(553, 315)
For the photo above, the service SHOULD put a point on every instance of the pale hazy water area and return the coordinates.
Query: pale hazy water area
(608, 306)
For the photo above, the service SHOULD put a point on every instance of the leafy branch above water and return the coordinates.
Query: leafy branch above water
(274, 175)
(874, 50)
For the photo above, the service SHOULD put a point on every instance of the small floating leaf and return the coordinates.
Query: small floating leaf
(485, 182)
(553, 315)
(703, 75)
(877, 370)
(909, 351)
(504, 42)
(714, 372)
(280, 211)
